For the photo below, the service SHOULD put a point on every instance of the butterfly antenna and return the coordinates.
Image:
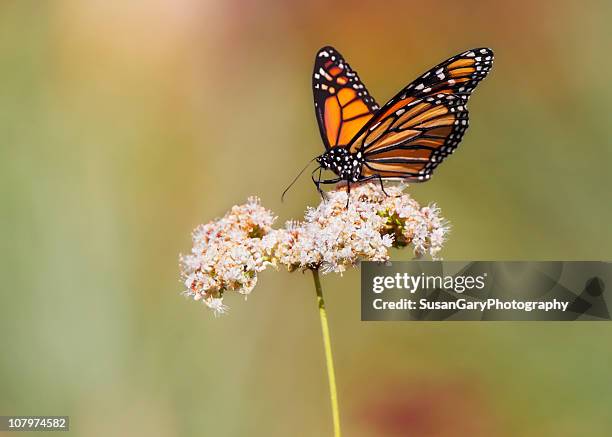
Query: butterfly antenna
(296, 178)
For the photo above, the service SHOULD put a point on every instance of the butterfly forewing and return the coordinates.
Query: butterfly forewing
(458, 75)
(343, 105)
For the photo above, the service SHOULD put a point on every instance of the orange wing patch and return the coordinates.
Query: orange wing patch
(345, 115)
(416, 154)
(334, 71)
(345, 95)
(333, 119)
(393, 138)
(462, 62)
(431, 113)
(351, 128)
(393, 170)
(460, 72)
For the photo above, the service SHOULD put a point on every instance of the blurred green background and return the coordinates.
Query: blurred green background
(123, 125)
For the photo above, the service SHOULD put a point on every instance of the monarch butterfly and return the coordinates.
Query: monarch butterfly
(408, 137)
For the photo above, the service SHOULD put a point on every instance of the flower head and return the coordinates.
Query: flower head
(335, 235)
(228, 253)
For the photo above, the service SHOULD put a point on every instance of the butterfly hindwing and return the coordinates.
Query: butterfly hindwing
(413, 141)
(410, 135)
(342, 102)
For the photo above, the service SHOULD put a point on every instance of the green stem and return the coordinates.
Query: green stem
(331, 375)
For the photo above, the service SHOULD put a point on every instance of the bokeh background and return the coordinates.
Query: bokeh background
(123, 125)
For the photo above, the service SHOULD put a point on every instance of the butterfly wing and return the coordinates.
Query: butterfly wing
(342, 102)
(411, 135)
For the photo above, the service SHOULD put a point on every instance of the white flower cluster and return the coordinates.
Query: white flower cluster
(228, 253)
(334, 235)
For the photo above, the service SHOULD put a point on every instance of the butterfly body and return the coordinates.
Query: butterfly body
(405, 139)
(343, 163)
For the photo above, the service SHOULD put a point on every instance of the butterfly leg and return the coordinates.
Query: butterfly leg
(376, 176)
(348, 192)
(317, 182)
(331, 181)
(382, 186)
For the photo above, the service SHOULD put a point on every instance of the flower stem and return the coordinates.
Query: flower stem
(331, 375)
